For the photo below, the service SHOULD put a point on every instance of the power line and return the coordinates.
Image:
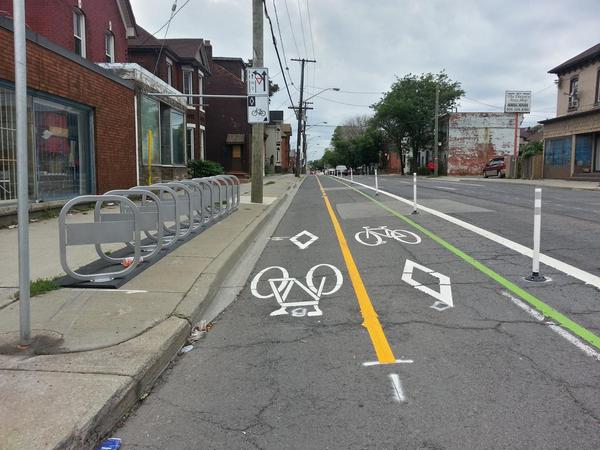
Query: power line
(167, 23)
(291, 27)
(352, 92)
(302, 28)
(312, 43)
(281, 42)
(162, 45)
(277, 52)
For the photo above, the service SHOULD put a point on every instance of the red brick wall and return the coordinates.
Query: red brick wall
(53, 19)
(113, 105)
(224, 116)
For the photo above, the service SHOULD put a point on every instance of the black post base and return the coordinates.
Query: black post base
(536, 277)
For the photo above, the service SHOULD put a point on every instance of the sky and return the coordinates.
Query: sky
(489, 46)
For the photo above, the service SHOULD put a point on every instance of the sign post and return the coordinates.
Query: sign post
(517, 102)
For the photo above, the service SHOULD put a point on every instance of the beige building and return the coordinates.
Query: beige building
(572, 138)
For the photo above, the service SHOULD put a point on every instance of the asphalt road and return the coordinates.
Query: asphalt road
(427, 340)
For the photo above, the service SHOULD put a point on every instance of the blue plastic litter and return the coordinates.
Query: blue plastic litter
(110, 444)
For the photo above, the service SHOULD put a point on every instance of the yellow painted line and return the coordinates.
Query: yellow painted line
(370, 318)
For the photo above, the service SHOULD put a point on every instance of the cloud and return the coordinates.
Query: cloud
(489, 46)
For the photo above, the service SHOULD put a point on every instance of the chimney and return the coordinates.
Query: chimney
(208, 47)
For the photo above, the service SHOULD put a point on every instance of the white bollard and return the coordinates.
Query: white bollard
(376, 184)
(415, 194)
(537, 228)
(351, 176)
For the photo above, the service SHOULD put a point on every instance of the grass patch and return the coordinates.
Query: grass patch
(41, 286)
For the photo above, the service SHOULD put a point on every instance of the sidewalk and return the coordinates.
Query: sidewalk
(97, 352)
(565, 184)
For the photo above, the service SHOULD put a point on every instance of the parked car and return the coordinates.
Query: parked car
(342, 169)
(495, 166)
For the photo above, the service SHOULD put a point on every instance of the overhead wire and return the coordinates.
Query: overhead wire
(287, 10)
(302, 28)
(167, 23)
(312, 43)
(277, 52)
(281, 42)
(162, 45)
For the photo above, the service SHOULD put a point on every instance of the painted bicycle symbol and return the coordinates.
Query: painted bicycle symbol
(321, 280)
(259, 112)
(374, 236)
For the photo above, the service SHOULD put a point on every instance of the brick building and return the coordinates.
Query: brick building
(229, 135)
(470, 139)
(572, 138)
(81, 117)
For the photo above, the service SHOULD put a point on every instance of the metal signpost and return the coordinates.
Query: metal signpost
(517, 102)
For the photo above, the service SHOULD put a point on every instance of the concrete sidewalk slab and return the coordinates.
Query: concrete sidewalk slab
(116, 343)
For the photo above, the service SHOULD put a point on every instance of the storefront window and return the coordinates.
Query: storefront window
(583, 153)
(150, 122)
(61, 155)
(558, 152)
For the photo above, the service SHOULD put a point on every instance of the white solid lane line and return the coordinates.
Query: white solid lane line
(397, 387)
(560, 331)
(443, 187)
(568, 269)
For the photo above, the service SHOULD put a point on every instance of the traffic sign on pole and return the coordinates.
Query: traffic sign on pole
(258, 109)
(257, 81)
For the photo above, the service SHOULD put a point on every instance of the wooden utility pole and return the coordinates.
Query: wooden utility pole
(300, 113)
(436, 145)
(258, 129)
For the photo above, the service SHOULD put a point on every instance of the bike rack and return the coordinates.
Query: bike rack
(182, 206)
(150, 210)
(170, 213)
(164, 213)
(124, 227)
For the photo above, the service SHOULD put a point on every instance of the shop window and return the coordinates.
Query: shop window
(583, 152)
(79, 32)
(558, 152)
(150, 122)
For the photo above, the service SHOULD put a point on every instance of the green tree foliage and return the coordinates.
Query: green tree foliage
(354, 144)
(531, 148)
(406, 113)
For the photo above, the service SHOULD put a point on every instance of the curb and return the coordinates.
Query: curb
(141, 383)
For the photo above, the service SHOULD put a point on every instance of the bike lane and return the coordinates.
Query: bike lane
(485, 374)
(278, 370)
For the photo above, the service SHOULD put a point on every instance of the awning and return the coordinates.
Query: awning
(235, 138)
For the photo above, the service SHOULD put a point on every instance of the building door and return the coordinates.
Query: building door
(597, 158)
(236, 158)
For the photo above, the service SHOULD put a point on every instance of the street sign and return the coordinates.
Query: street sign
(517, 101)
(258, 81)
(258, 109)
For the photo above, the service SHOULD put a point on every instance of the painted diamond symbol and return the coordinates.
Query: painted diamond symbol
(443, 296)
(302, 245)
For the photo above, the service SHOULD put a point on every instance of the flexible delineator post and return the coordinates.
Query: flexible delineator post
(537, 228)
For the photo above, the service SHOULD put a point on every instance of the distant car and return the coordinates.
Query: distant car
(494, 167)
(342, 169)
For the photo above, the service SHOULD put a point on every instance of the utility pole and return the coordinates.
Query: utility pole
(304, 143)
(436, 147)
(258, 129)
(20, 47)
(300, 112)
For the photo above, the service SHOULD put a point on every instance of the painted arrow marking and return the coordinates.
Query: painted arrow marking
(397, 387)
(444, 296)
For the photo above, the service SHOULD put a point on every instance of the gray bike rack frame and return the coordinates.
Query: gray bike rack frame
(170, 213)
(94, 233)
(150, 219)
(184, 207)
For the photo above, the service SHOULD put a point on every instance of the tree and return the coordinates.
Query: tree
(406, 113)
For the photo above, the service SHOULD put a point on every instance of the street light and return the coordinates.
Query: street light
(321, 91)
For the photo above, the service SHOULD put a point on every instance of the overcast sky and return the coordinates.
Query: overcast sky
(361, 46)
